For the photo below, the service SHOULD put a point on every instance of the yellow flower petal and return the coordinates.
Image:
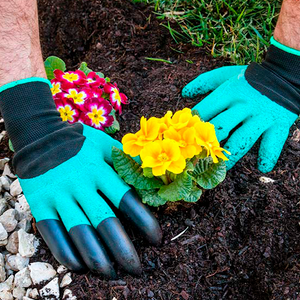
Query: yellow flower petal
(177, 166)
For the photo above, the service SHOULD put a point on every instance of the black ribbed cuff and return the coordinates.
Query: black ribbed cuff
(278, 78)
(40, 138)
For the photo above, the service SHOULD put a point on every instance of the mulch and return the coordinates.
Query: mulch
(242, 239)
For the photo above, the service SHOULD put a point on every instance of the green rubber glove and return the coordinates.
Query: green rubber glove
(233, 102)
(68, 180)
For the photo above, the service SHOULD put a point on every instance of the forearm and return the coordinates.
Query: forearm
(287, 29)
(20, 52)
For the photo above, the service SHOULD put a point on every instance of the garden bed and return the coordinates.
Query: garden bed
(242, 238)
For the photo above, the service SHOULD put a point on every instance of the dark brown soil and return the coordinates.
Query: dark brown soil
(242, 240)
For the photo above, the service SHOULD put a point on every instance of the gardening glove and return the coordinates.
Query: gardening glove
(263, 98)
(60, 168)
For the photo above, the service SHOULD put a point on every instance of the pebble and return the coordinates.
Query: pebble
(7, 284)
(50, 289)
(5, 182)
(22, 278)
(3, 233)
(27, 298)
(23, 209)
(68, 295)
(27, 243)
(5, 295)
(2, 269)
(41, 272)
(66, 280)
(13, 243)
(3, 205)
(8, 220)
(3, 162)
(264, 179)
(3, 242)
(15, 188)
(7, 172)
(32, 293)
(19, 292)
(61, 269)
(16, 262)
(25, 225)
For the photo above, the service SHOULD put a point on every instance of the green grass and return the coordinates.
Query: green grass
(240, 30)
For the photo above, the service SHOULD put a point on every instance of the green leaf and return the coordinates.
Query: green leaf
(54, 63)
(101, 75)
(10, 145)
(208, 174)
(147, 172)
(179, 188)
(132, 172)
(151, 197)
(84, 68)
(115, 125)
(194, 195)
(107, 79)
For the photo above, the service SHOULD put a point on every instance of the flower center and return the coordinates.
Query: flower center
(182, 143)
(163, 157)
(70, 77)
(96, 116)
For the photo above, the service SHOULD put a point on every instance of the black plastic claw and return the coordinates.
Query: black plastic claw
(57, 239)
(92, 251)
(119, 244)
(142, 218)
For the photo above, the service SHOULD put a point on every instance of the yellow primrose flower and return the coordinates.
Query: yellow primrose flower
(206, 137)
(185, 139)
(134, 143)
(70, 76)
(181, 118)
(55, 88)
(162, 156)
(66, 113)
(78, 97)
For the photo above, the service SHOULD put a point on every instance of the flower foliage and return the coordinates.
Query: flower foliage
(178, 150)
(85, 96)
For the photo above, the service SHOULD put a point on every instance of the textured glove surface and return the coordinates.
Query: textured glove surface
(233, 102)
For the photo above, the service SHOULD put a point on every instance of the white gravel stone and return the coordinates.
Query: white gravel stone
(3, 242)
(3, 233)
(66, 280)
(32, 293)
(13, 243)
(265, 179)
(8, 220)
(5, 295)
(41, 272)
(23, 209)
(27, 243)
(15, 188)
(27, 298)
(6, 182)
(16, 262)
(3, 162)
(24, 224)
(7, 285)
(7, 196)
(2, 269)
(61, 269)
(22, 278)
(68, 295)
(19, 293)
(7, 172)
(50, 289)
(3, 205)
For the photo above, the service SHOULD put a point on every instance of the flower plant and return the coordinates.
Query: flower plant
(171, 158)
(85, 96)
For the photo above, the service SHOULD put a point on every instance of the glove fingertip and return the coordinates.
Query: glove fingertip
(265, 166)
